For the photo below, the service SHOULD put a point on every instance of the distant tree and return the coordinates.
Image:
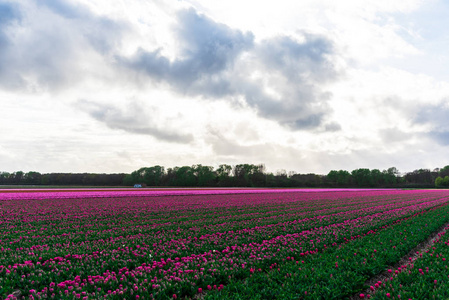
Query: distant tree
(128, 180)
(313, 180)
(241, 174)
(205, 175)
(224, 175)
(376, 177)
(281, 179)
(4, 177)
(169, 179)
(338, 178)
(247, 174)
(362, 177)
(298, 180)
(270, 180)
(185, 176)
(18, 177)
(332, 177)
(45, 180)
(343, 178)
(420, 177)
(306, 180)
(390, 175)
(258, 177)
(152, 176)
(446, 181)
(439, 182)
(238, 175)
(444, 171)
(137, 176)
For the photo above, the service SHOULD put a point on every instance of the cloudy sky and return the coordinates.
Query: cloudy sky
(305, 86)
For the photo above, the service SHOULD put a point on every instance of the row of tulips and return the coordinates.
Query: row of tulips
(26, 194)
(424, 276)
(341, 272)
(187, 245)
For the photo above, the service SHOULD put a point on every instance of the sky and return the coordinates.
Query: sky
(306, 86)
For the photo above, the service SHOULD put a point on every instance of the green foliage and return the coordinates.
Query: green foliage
(249, 175)
(344, 178)
(224, 173)
(150, 176)
(339, 178)
(128, 180)
(363, 177)
(185, 176)
(442, 182)
(390, 175)
(205, 175)
(244, 175)
(438, 182)
(376, 177)
(421, 176)
(444, 171)
(446, 181)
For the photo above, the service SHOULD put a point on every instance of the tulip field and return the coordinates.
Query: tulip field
(224, 244)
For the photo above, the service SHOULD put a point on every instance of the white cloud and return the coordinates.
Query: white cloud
(309, 86)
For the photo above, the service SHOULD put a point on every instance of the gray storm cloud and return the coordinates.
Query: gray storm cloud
(132, 119)
(10, 17)
(208, 50)
(214, 62)
(103, 34)
(9, 14)
(211, 65)
(44, 43)
(433, 114)
(436, 117)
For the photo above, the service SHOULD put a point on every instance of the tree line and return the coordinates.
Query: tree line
(240, 175)
(73, 179)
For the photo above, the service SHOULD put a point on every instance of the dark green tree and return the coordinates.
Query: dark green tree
(446, 181)
(332, 177)
(185, 176)
(376, 177)
(205, 175)
(18, 177)
(32, 177)
(249, 174)
(343, 178)
(362, 177)
(439, 182)
(444, 172)
(390, 175)
(152, 176)
(224, 175)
